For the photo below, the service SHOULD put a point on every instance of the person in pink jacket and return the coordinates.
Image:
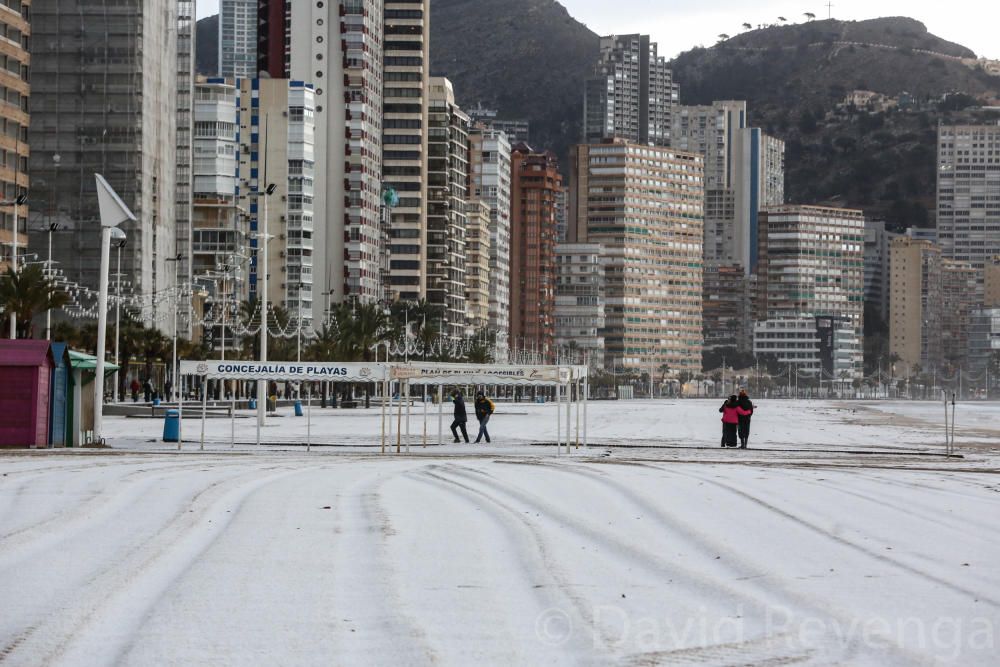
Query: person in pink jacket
(731, 412)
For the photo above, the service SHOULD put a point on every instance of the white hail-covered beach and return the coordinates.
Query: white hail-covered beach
(842, 536)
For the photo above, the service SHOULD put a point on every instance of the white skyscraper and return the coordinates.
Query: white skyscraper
(489, 180)
(238, 38)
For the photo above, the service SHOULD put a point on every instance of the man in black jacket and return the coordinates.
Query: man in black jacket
(744, 426)
(484, 408)
(460, 416)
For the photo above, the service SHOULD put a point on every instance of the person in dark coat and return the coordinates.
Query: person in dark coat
(460, 416)
(746, 405)
(147, 390)
(730, 421)
(484, 408)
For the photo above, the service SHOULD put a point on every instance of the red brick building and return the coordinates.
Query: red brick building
(535, 187)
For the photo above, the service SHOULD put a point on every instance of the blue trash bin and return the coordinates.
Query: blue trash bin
(252, 404)
(298, 408)
(172, 426)
(156, 402)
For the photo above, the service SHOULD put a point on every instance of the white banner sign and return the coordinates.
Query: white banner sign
(285, 370)
(480, 373)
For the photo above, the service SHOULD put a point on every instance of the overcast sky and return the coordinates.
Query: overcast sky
(679, 25)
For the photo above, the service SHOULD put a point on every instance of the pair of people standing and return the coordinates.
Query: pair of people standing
(484, 408)
(736, 414)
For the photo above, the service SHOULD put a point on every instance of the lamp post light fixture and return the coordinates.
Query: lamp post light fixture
(262, 276)
(177, 294)
(118, 239)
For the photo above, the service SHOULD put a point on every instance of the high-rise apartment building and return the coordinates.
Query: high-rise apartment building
(645, 205)
(183, 205)
(237, 38)
(536, 186)
(968, 193)
(728, 308)
(490, 182)
(14, 22)
(274, 37)
(916, 306)
(959, 299)
(279, 118)
(219, 223)
(744, 174)
(104, 91)
(477, 265)
(447, 197)
(877, 240)
(406, 69)
(338, 46)
(991, 291)
(631, 94)
(812, 264)
(580, 302)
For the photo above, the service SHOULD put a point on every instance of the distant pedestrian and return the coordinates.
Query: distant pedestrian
(147, 390)
(484, 408)
(135, 387)
(730, 421)
(746, 405)
(461, 418)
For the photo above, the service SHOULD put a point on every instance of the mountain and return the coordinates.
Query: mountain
(207, 46)
(526, 58)
(795, 78)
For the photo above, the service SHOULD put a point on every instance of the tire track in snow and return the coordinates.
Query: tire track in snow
(363, 522)
(946, 521)
(533, 553)
(95, 498)
(117, 582)
(844, 542)
(735, 563)
(653, 563)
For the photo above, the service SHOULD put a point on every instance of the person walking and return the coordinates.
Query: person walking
(147, 390)
(484, 408)
(135, 387)
(730, 421)
(746, 407)
(460, 416)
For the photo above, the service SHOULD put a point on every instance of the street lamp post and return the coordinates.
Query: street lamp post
(264, 237)
(177, 294)
(118, 238)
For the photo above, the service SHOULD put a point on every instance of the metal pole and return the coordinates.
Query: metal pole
(262, 275)
(586, 391)
(399, 419)
(118, 314)
(558, 418)
(223, 351)
(13, 260)
(232, 420)
(577, 414)
(385, 397)
(180, 420)
(425, 416)
(569, 407)
(309, 402)
(408, 401)
(102, 328)
(48, 265)
(204, 409)
(177, 295)
(440, 414)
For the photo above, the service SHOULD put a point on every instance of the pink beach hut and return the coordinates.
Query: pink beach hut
(25, 375)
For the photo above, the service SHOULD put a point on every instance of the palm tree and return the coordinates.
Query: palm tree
(27, 293)
(809, 16)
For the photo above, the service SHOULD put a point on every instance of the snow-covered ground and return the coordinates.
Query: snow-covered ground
(802, 551)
